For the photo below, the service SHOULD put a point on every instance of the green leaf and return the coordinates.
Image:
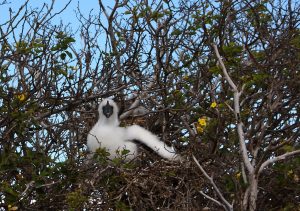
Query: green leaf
(125, 152)
(63, 56)
(127, 12)
(215, 70)
(62, 72)
(69, 54)
(176, 32)
(69, 40)
(232, 49)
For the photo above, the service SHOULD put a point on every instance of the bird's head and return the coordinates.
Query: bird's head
(108, 112)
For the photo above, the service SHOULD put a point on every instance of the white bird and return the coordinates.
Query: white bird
(107, 134)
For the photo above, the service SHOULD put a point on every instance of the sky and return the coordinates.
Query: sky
(68, 16)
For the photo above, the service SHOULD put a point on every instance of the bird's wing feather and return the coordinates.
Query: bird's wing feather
(144, 136)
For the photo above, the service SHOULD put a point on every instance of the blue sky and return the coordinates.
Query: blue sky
(68, 16)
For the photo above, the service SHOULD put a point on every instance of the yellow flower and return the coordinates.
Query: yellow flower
(199, 129)
(12, 208)
(238, 175)
(290, 173)
(21, 97)
(202, 121)
(213, 104)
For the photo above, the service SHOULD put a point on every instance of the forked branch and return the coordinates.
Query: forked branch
(225, 204)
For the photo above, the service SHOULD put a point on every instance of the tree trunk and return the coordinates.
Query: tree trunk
(253, 192)
(250, 197)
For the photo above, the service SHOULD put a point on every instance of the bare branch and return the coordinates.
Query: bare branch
(230, 81)
(227, 205)
(191, 130)
(137, 101)
(236, 97)
(212, 199)
(278, 158)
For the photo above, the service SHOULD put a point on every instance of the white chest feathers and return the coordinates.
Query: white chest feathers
(112, 139)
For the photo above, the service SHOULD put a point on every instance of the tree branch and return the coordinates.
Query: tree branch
(212, 199)
(226, 204)
(278, 158)
(230, 81)
(236, 98)
(137, 101)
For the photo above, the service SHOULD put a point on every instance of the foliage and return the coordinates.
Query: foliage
(161, 55)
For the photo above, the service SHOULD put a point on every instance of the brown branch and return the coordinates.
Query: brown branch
(76, 103)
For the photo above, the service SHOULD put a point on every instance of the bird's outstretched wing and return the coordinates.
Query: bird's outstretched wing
(144, 136)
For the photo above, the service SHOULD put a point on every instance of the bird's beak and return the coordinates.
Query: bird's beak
(107, 110)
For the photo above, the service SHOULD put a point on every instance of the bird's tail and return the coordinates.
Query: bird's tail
(150, 140)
